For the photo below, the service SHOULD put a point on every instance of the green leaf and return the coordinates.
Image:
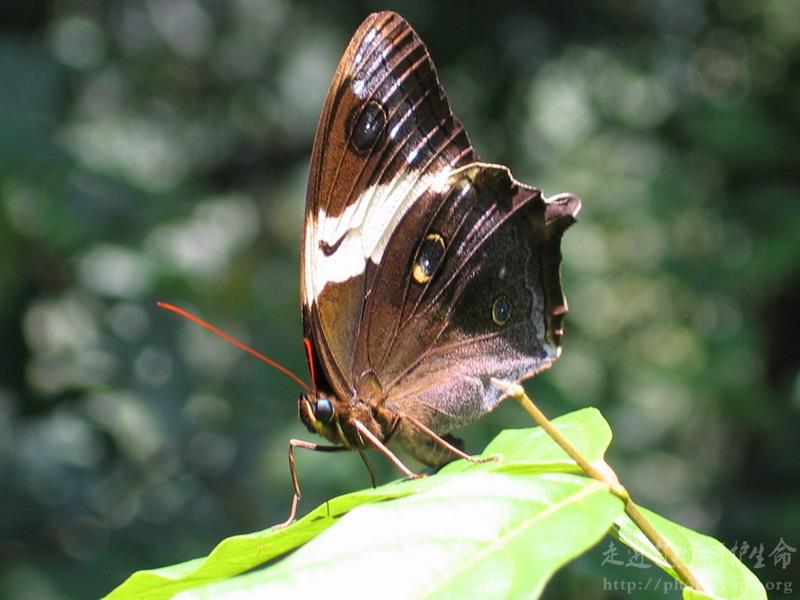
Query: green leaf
(500, 528)
(520, 451)
(690, 594)
(532, 449)
(720, 573)
(241, 553)
(478, 534)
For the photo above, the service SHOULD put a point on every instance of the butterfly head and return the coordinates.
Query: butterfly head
(317, 411)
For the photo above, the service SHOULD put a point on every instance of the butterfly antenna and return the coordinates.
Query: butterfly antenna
(233, 341)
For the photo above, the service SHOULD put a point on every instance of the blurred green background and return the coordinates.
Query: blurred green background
(158, 150)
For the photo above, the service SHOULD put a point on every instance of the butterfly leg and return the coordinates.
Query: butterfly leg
(295, 443)
(381, 447)
(369, 467)
(446, 441)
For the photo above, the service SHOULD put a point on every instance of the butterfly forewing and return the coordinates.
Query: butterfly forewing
(386, 137)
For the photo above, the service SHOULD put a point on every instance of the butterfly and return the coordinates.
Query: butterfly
(425, 272)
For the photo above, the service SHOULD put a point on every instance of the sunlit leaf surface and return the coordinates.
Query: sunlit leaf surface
(495, 529)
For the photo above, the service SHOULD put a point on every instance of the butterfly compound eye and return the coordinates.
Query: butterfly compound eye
(323, 410)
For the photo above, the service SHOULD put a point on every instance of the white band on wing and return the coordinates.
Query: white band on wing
(362, 231)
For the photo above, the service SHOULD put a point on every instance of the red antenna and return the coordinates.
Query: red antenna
(233, 341)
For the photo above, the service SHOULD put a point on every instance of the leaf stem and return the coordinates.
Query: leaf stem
(603, 472)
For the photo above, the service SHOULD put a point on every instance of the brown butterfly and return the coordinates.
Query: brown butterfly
(425, 273)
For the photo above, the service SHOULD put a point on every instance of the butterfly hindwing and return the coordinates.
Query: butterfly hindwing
(468, 290)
